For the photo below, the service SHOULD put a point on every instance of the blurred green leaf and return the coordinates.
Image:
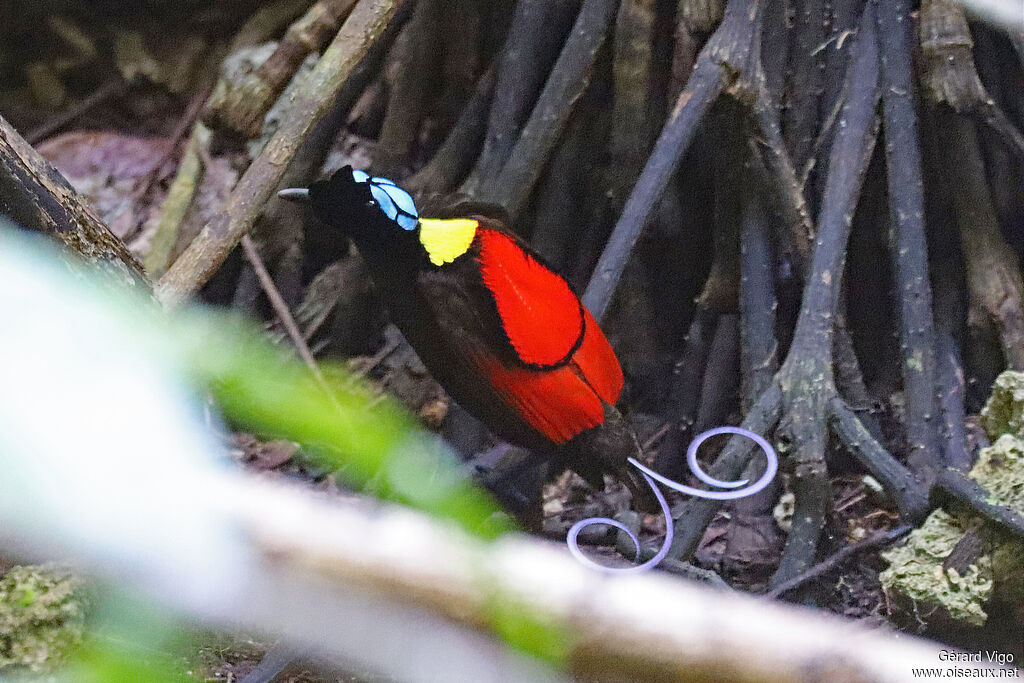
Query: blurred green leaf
(346, 425)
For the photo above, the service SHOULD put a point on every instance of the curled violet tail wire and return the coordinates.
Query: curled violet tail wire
(572, 539)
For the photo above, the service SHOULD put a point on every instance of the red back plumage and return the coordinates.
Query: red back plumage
(541, 316)
(546, 326)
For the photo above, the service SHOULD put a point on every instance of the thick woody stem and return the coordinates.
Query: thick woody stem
(363, 31)
(909, 248)
(241, 106)
(36, 196)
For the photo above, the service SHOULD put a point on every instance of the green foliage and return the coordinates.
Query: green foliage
(1004, 411)
(127, 342)
(42, 616)
(343, 422)
(522, 628)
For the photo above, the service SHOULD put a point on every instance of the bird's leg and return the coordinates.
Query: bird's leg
(512, 479)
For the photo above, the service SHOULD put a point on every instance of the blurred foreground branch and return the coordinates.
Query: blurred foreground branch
(353, 581)
(1006, 14)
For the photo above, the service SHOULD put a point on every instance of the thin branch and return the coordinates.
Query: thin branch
(369, 27)
(280, 306)
(116, 87)
(879, 540)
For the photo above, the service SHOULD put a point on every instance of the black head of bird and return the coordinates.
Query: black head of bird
(364, 207)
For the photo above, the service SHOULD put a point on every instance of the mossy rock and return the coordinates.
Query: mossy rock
(916, 577)
(1004, 411)
(42, 616)
(915, 573)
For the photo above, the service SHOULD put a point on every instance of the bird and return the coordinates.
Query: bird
(505, 335)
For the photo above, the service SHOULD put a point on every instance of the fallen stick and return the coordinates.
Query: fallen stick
(882, 538)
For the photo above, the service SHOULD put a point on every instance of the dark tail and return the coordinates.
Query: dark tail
(606, 448)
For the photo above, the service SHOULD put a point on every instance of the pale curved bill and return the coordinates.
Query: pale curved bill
(299, 194)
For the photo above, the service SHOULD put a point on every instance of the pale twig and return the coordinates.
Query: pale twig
(280, 306)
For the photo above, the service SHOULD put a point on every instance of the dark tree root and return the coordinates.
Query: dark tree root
(759, 349)
(727, 55)
(950, 75)
(454, 158)
(879, 540)
(909, 247)
(694, 515)
(954, 485)
(909, 494)
(798, 398)
(959, 98)
(632, 132)
(511, 185)
(787, 195)
(411, 87)
(721, 378)
(758, 346)
(807, 71)
(994, 282)
(536, 33)
(913, 497)
(955, 450)
(684, 397)
(850, 378)
(801, 390)
(566, 185)
(701, 372)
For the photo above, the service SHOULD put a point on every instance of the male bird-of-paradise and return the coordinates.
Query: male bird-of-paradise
(503, 333)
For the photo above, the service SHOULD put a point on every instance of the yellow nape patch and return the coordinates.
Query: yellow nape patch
(446, 239)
